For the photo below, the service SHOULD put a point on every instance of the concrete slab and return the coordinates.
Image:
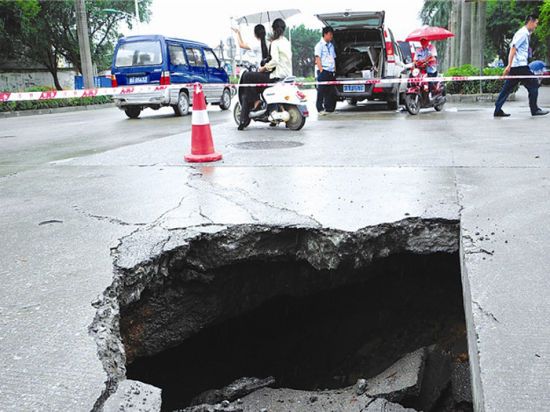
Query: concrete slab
(505, 235)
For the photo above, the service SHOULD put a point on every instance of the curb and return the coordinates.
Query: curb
(22, 113)
(476, 98)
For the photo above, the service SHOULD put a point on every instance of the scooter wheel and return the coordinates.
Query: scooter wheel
(237, 115)
(297, 120)
(412, 103)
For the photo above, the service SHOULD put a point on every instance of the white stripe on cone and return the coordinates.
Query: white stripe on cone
(200, 118)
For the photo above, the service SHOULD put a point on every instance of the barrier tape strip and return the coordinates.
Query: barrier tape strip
(127, 90)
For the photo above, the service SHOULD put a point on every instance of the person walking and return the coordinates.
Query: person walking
(518, 65)
(325, 60)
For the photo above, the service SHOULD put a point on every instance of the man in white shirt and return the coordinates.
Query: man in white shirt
(518, 65)
(325, 60)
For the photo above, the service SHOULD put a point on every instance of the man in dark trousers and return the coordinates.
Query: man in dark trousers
(325, 60)
(518, 65)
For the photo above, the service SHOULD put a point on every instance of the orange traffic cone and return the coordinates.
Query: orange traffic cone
(202, 147)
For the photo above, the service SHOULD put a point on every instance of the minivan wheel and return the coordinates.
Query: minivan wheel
(225, 102)
(182, 107)
(132, 112)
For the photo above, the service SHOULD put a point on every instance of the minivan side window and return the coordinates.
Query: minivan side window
(176, 55)
(211, 59)
(194, 57)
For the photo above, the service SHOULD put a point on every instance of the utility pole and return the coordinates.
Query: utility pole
(84, 44)
(138, 20)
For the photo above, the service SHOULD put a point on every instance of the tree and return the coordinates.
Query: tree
(103, 28)
(438, 13)
(543, 30)
(504, 18)
(44, 31)
(303, 45)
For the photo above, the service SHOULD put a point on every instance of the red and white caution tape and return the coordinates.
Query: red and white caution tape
(126, 90)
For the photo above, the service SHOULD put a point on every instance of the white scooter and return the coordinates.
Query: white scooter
(281, 103)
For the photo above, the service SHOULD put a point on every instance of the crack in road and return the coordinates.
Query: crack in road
(110, 219)
(485, 312)
(245, 201)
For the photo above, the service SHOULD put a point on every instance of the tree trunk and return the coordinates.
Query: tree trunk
(475, 40)
(482, 16)
(465, 33)
(50, 61)
(455, 29)
(54, 74)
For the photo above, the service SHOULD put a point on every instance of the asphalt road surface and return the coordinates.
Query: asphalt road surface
(73, 184)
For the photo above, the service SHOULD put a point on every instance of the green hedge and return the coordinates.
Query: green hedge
(472, 87)
(53, 103)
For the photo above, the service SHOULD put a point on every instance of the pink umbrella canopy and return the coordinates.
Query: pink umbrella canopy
(429, 33)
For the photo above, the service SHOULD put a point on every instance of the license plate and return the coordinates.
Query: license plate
(354, 88)
(136, 80)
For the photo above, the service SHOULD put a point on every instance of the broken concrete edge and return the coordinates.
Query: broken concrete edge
(473, 338)
(134, 396)
(402, 379)
(141, 258)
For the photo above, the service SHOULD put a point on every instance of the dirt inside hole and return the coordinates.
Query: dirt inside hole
(325, 329)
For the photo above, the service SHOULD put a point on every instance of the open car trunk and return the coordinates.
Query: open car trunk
(358, 51)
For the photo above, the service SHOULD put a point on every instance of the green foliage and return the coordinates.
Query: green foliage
(504, 18)
(487, 86)
(543, 31)
(303, 45)
(44, 30)
(52, 103)
(436, 13)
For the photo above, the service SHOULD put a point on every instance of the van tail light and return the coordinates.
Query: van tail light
(390, 53)
(377, 90)
(165, 79)
(114, 82)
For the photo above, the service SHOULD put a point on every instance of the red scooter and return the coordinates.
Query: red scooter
(418, 94)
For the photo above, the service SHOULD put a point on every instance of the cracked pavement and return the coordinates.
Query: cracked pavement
(70, 192)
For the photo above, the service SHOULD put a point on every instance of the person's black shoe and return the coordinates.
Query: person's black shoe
(501, 114)
(241, 127)
(541, 112)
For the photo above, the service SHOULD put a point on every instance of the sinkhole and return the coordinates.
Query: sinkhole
(315, 309)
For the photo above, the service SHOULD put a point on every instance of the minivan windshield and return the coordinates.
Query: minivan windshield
(139, 53)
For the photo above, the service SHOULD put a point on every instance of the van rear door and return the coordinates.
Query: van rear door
(139, 62)
(353, 20)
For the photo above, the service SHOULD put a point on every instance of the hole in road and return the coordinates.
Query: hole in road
(280, 307)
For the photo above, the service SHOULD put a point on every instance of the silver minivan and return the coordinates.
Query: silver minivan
(366, 49)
